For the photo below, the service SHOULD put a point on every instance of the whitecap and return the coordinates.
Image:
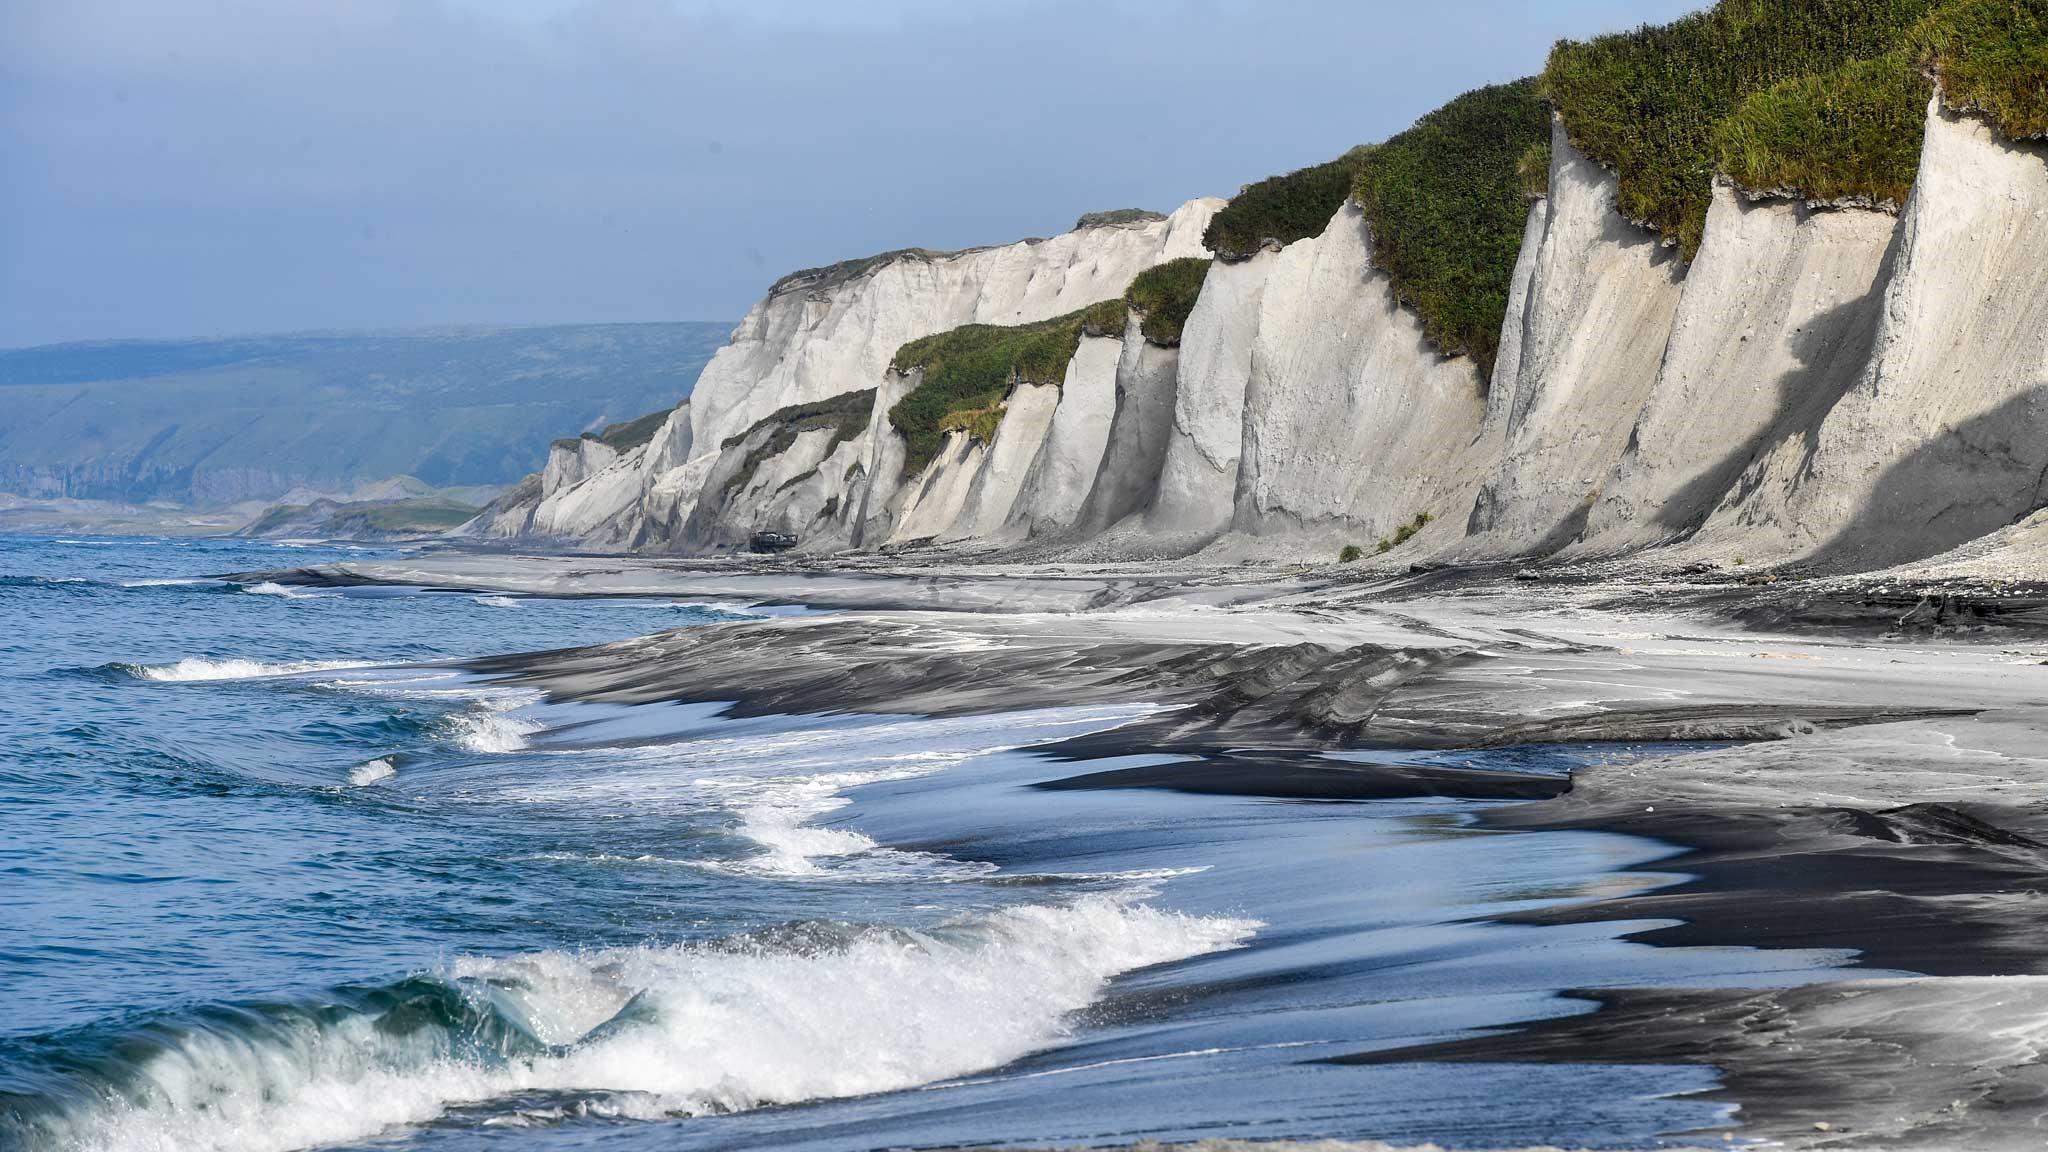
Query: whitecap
(194, 668)
(371, 772)
(488, 725)
(267, 588)
(816, 1012)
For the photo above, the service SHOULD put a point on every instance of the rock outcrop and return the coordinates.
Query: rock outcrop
(1352, 420)
(1140, 426)
(832, 332)
(1198, 481)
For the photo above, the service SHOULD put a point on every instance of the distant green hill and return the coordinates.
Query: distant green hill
(208, 422)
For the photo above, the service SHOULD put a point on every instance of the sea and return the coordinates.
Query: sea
(276, 873)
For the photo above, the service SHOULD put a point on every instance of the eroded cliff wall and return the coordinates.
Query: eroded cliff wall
(1353, 422)
(1821, 383)
(1775, 323)
(831, 331)
(827, 333)
(1600, 299)
(1943, 435)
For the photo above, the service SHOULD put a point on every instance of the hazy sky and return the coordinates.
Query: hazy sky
(198, 167)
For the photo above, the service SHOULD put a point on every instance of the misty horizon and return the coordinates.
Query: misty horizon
(224, 170)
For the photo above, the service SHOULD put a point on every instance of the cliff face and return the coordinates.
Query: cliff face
(1775, 323)
(1198, 480)
(1599, 304)
(1943, 435)
(1829, 384)
(820, 334)
(1352, 421)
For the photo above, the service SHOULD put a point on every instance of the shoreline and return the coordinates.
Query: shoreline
(1874, 792)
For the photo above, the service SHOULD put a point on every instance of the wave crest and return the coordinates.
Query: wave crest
(807, 1012)
(195, 668)
(371, 772)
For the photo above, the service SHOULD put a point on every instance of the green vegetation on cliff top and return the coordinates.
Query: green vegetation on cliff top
(1282, 208)
(1651, 104)
(1164, 294)
(1447, 202)
(1851, 135)
(846, 415)
(627, 435)
(1991, 57)
(1116, 216)
(969, 371)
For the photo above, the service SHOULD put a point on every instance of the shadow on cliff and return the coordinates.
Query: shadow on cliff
(1537, 372)
(1969, 480)
(1832, 351)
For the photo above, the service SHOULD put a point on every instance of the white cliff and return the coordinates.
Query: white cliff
(1140, 427)
(1063, 473)
(1820, 383)
(589, 492)
(1198, 480)
(1775, 323)
(1353, 421)
(817, 335)
(1599, 305)
(1032, 478)
(1944, 435)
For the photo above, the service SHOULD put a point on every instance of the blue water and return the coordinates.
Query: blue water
(273, 876)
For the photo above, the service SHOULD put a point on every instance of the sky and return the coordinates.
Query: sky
(186, 168)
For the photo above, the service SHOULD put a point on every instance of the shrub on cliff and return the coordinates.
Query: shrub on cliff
(1117, 216)
(1851, 134)
(1165, 294)
(1282, 208)
(969, 371)
(846, 415)
(1992, 57)
(1447, 201)
(627, 435)
(828, 275)
(1649, 103)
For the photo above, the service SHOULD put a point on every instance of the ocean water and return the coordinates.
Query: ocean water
(274, 875)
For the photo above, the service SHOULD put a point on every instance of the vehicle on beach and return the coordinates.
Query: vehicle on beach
(769, 543)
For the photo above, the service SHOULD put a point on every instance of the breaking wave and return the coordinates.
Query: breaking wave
(488, 729)
(808, 1011)
(269, 588)
(371, 772)
(194, 668)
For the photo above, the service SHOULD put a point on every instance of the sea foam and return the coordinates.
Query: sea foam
(198, 668)
(777, 783)
(372, 772)
(804, 1013)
